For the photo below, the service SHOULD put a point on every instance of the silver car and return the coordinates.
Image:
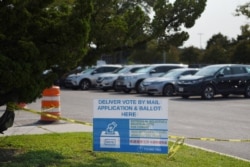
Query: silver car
(165, 84)
(87, 79)
(129, 82)
(107, 81)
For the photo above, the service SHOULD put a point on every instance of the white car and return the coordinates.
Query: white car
(107, 81)
(87, 78)
(132, 81)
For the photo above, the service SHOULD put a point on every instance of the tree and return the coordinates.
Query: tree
(242, 49)
(173, 55)
(119, 25)
(216, 55)
(149, 52)
(241, 52)
(243, 10)
(191, 55)
(218, 39)
(218, 50)
(36, 36)
(115, 26)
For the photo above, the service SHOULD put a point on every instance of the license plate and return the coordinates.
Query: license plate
(181, 89)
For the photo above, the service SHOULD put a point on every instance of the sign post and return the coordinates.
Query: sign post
(130, 125)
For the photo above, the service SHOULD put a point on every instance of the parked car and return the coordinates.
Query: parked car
(87, 78)
(61, 80)
(107, 81)
(165, 84)
(128, 82)
(224, 79)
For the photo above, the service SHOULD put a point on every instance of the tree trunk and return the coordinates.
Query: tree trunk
(7, 119)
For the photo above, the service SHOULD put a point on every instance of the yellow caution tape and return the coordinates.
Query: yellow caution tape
(180, 141)
(210, 139)
(175, 147)
(54, 116)
(90, 124)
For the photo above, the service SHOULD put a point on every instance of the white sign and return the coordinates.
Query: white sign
(131, 125)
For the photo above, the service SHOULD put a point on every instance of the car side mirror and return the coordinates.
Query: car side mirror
(152, 71)
(220, 75)
(93, 73)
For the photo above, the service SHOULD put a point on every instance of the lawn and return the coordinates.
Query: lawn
(75, 150)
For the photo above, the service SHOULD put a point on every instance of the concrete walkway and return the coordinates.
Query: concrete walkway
(43, 128)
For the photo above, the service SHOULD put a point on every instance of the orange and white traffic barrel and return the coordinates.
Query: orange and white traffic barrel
(51, 104)
(22, 105)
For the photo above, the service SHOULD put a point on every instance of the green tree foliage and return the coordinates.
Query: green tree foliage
(218, 39)
(220, 49)
(173, 55)
(242, 49)
(35, 36)
(119, 25)
(241, 53)
(147, 54)
(243, 10)
(170, 18)
(217, 50)
(191, 55)
(150, 54)
(115, 25)
(215, 55)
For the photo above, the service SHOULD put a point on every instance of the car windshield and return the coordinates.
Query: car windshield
(144, 70)
(120, 70)
(208, 71)
(89, 70)
(172, 74)
(248, 69)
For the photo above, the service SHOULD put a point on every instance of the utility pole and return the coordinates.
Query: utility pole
(200, 34)
(164, 56)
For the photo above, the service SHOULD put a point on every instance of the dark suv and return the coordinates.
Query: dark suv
(224, 79)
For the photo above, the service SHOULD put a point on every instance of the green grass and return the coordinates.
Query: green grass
(75, 150)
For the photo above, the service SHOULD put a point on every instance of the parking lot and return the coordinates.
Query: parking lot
(220, 118)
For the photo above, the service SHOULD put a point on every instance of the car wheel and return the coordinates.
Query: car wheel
(247, 92)
(185, 96)
(126, 90)
(208, 92)
(168, 90)
(105, 89)
(115, 87)
(74, 88)
(138, 87)
(150, 94)
(225, 95)
(85, 84)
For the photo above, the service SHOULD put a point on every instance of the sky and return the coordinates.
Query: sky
(217, 18)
